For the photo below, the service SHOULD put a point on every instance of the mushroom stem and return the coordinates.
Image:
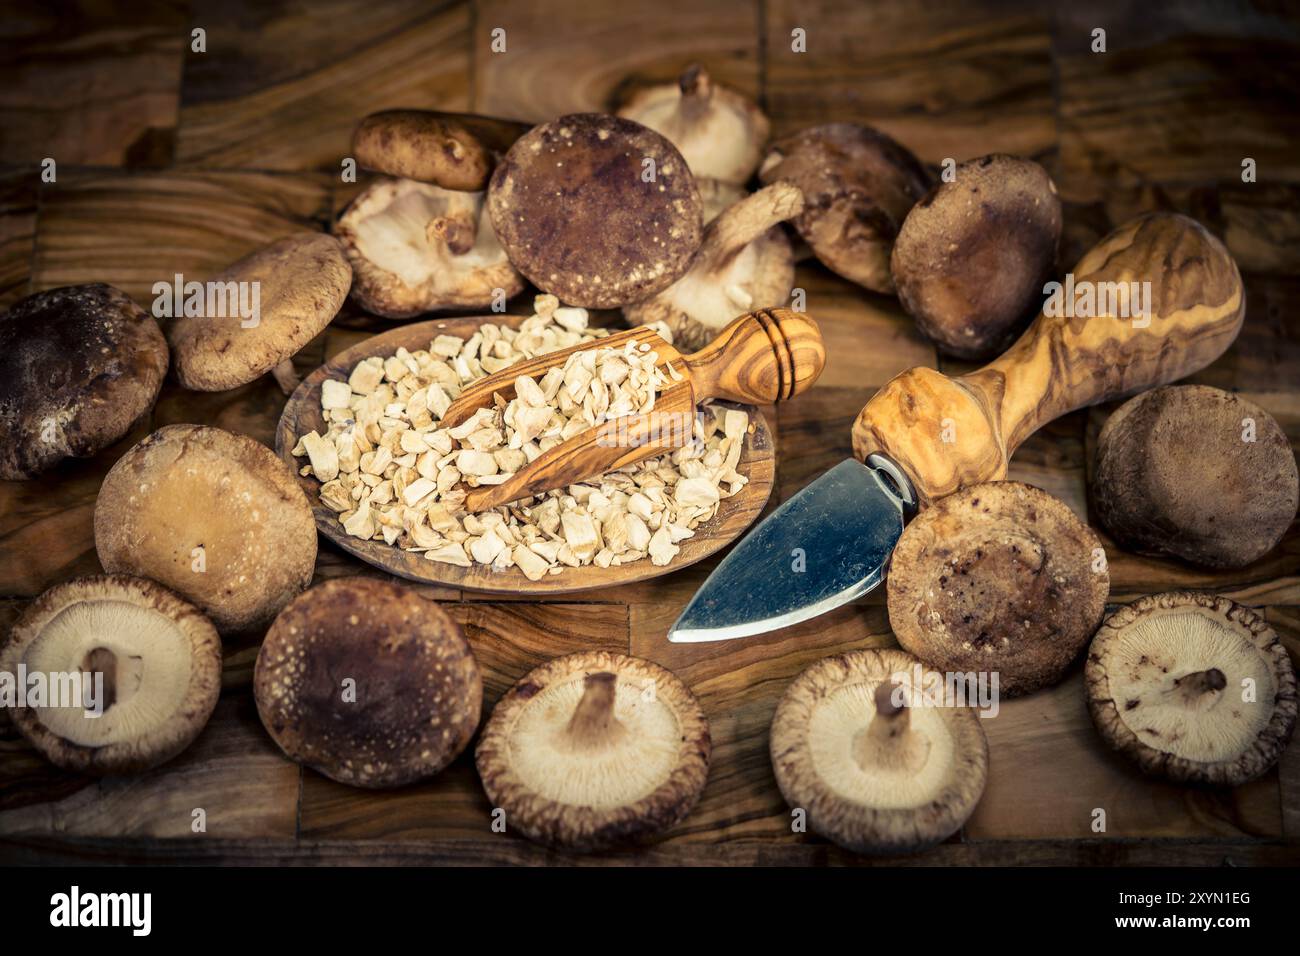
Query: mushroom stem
(1199, 686)
(103, 661)
(889, 741)
(593, 723)
(458, 230)
(285, 376)
(696, 86)
(741, 223)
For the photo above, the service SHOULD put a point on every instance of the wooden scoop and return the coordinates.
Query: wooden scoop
(947, 433)
(760, 358)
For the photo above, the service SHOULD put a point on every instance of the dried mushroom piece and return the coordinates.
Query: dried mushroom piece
(971, 257)
(368, 683)
(451, 150)
(1192, 687)
(998, 577)
(743, 264)
(159, 660)
(214, 516)
(593, 750)
(858, 186)
(1195, 472)
(78, 367)
(597, 210)
(719, 132)
(877, 770)
(302, 282)
(419, 248)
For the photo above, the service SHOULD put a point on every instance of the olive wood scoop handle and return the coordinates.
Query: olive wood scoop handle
(759, 358)
(947, 433)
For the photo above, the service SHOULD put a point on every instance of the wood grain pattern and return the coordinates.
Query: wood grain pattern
(603, 50)
(19, 189)
(949, 433)
(302, 414)
(91, 83)
(948, 79)
(282, 85)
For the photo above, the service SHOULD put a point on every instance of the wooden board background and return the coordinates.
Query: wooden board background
(175, 161)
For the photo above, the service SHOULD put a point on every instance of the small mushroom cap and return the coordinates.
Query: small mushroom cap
(972, 256)
(873, 776)
(415, 693)
(450, 150)
(417, 248)
(302, 281)
(1193, 687)
(1195, 472)
(595, 749)
(858, 186)
(720, 133)
(161, 664)
(78, 366)
(998, 577)
(214, 516)
(576, 211)
(744, 264)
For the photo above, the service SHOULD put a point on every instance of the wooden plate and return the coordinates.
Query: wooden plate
(302, 414)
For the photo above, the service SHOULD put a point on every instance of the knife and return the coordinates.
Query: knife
(1156, 300)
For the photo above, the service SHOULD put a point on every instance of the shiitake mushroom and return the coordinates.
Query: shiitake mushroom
(1196, 473)
(971, 257)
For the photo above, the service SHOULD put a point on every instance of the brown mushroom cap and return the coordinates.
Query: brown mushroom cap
(302, 282)
(874, 773)
(161, 665)
(743, 264)
(999, 577)
(418, 248)
(720, 133)
(451, 150)
(595, 749)
(416, 694)
(78, 366)
(1175, 475)
(972, 255)
(858, 186)
(1192, 687)
(573, 210)
(191, 487)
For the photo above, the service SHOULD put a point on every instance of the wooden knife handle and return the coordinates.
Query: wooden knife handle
(760, 358)
(947, 433)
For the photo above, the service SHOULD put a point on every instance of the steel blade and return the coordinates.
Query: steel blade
(824, 547)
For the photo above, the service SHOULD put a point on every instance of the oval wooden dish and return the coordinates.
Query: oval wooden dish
(302, 414)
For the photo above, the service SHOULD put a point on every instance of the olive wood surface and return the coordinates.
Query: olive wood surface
(302, 414)
(947, 433)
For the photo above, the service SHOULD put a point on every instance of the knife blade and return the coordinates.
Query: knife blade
(824, 547)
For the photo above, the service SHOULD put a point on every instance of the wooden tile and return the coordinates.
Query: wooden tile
(573, 56)
(91, 83)
(1205, 86)
(947, 79)
(282, 86)
(1286, 621)
(19, 189)
(134, 230)
(36, 798)
(1049, 770)
(508, 640)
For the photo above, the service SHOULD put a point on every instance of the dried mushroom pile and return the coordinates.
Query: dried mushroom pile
(393, 475)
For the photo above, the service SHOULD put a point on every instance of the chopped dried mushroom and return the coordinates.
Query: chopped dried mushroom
(392, 474)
